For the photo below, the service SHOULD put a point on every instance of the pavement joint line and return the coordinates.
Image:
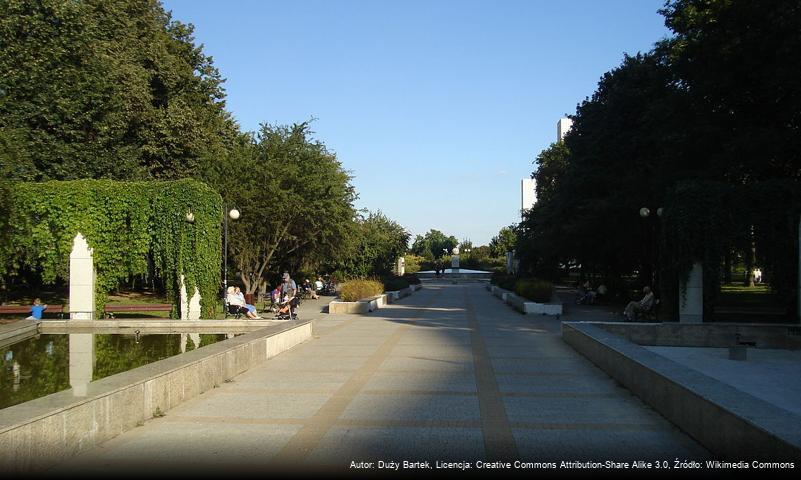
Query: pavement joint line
(306, 440)
(424, 423)
(545, 374)
(499, 441)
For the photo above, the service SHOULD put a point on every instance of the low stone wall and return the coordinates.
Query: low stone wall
(371, 304)
(730, 423)
(38, 434)
(674, 334)
(155, 326)
(18, 331)
(523, 305)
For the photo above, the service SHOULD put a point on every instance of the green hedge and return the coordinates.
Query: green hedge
(411, 279)
(355, 290)
(126, 224)
(504, 280)
(394, 283)
(534, 289)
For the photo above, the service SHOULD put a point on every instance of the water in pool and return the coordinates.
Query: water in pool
(48, 364)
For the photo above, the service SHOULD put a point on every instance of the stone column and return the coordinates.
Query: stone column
(400, 269)
(82, 280)
(82, 362)
(190, 307)
(691, 296)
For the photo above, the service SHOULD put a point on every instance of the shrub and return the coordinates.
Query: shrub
(413, 263)
(394, 282)
(411, 279)
(504, 280)
(534, 289)
(354, 290)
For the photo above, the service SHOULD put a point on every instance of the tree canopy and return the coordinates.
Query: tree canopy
(295, 200)
(99, 89)
(700, 129)
(434, 244)
(376, 244)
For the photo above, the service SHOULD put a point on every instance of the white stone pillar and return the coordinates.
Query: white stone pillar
(82, 280)
(82, 362)
(184, 301)
(190, 307)
(691, 296)
(400, 269)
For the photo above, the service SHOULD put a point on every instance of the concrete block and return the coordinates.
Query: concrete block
(728, 422)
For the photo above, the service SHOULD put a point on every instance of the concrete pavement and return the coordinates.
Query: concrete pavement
(447, 374)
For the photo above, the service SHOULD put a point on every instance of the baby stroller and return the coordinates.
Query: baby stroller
(286, 310)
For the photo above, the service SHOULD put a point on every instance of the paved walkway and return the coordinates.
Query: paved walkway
(448, 374)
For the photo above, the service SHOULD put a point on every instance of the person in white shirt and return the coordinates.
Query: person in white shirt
(238, 303)
(643, 305)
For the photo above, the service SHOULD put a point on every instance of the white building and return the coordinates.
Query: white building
(562, 127)
(528, 194)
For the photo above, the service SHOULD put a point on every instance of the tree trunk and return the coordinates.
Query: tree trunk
(750, 261)
(727, 266)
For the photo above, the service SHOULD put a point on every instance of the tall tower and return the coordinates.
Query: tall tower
(562, 127)
(528, 194)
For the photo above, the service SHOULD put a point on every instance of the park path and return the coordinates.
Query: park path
(450, 373)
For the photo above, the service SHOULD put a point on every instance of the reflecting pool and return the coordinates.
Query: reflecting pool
(48, 364)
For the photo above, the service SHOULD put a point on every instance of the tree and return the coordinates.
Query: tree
(434, 244)
(98, 89)
(295, 199)
(378, 243)
(735, 61)
(618, 157)
(505, 241)
(551, 165)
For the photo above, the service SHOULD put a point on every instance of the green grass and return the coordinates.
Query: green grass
(734, 294)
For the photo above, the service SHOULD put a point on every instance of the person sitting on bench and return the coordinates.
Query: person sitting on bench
(644, 305)
(37, 309)
(237, 305)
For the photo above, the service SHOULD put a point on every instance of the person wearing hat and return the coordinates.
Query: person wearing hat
(288, 286)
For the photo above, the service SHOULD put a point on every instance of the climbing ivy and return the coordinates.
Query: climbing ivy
(124, 223)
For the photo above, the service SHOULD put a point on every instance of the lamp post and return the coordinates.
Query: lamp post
(645, 213)
(234, 214)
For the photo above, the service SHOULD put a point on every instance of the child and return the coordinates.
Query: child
(37, 309)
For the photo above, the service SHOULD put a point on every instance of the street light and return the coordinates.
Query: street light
(645, 212)
(234, 214)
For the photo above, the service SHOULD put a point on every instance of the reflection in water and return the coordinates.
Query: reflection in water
(47, 364)
(82, 362)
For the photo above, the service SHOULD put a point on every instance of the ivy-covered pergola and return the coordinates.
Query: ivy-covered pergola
(176, 224)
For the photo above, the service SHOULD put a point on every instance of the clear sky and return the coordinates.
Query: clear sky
(437, 108)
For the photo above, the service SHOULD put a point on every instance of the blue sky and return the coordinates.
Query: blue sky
(437, 108)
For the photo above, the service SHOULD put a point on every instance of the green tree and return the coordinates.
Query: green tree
(99, 89)
(378, 243)
(618, 157)
(735, 61)
(551, 165)
(505, 241)
(295, 199)
(434, 244)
